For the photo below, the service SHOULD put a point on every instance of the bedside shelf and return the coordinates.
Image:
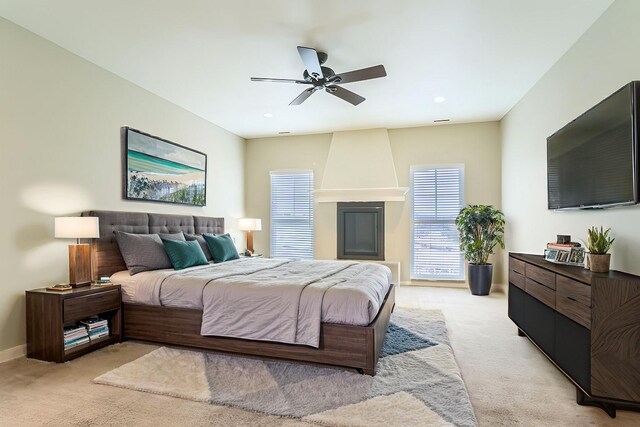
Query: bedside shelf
(49, 311)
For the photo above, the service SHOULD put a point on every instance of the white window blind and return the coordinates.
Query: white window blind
(437, 197)
(292, 214)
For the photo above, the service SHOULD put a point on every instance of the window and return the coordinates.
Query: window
(437, 197)
(292, 214)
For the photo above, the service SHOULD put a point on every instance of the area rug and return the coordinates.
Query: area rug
(418, 381)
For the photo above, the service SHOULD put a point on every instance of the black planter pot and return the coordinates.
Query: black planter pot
(480, 277)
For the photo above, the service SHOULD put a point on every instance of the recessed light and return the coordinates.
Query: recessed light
(267, 115)
(439, 99)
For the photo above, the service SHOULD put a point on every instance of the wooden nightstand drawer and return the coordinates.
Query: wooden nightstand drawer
(85, 306)
(540, 275)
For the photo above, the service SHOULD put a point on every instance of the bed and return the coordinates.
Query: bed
(347, 345)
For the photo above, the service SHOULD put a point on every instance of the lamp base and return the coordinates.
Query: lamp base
(79, 265)
(250, 241)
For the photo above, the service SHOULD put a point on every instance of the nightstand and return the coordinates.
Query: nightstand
(48, 312)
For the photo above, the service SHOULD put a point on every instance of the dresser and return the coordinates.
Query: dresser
(587, 324)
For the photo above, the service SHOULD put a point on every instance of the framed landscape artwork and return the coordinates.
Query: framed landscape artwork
(162, 171)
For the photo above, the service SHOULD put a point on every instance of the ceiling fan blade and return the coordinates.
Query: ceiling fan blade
(362, 74)
(267, 79)
(303, 96)
(311, 63)
(347, 95)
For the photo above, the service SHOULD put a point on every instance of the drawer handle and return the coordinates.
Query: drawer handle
(572, 299)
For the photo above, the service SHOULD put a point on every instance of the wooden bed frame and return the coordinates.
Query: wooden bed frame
(350, 346)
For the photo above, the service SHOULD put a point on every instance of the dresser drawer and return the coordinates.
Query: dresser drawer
(573, 299)
(574, 310)
(88, 305)
(541, 293)
(516, 265)
(516, 279)
(540, 275)
(576, 291)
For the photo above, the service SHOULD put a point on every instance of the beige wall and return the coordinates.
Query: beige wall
(476, 145)
(60, 118)
(600, 62)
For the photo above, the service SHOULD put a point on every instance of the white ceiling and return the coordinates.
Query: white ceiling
(482, 56)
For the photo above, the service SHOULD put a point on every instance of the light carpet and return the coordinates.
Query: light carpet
(417, 377)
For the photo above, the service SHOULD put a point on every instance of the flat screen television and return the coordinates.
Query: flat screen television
(592, 162)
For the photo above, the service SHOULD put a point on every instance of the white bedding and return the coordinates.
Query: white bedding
(344, 293)
(128, 284)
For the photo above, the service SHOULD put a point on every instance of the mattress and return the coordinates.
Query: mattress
(352, 295)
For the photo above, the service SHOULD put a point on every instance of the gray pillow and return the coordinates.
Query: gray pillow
(172, 236)
(202, 242)
(143, 252)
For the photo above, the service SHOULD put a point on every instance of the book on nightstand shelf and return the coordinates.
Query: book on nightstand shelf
(96, 328)
(85, 331)
(94, 322)
(75, 336)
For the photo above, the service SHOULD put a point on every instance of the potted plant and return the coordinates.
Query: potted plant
(481, 228)
(599, 243)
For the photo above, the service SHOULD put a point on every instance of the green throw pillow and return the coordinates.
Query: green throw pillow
(184, 254)
(221, 247)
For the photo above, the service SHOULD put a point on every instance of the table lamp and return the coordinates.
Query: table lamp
(250, 225)
(77, 227)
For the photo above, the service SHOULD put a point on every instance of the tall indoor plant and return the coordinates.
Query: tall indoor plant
(599, 243)
(481, 228)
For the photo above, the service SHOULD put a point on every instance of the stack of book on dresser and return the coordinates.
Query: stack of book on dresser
(96, 328)
(75, 336)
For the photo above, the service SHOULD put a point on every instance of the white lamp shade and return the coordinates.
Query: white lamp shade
(77, 227)
(249, 224)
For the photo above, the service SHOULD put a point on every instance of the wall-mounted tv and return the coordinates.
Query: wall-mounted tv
(592, 162)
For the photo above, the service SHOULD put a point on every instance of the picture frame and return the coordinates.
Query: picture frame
(158, 170)
(563, 257)
(574, 256)
(577, 256)
(550, 254)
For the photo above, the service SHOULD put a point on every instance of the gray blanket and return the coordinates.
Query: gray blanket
(272, 300)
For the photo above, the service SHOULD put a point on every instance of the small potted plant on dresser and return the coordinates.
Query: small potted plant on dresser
(599, 243)
(481, 228)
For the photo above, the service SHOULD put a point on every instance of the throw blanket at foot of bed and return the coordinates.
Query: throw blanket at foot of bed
(273, 300)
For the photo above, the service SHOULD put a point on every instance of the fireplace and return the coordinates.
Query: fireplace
(361, 230)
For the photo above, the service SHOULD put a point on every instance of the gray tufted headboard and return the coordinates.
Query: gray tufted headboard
(105, 254)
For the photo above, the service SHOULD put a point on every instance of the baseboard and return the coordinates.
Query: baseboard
(435, 284)
(13, 353)
(497, 287)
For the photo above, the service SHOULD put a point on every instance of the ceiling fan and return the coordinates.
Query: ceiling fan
(320, 77)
